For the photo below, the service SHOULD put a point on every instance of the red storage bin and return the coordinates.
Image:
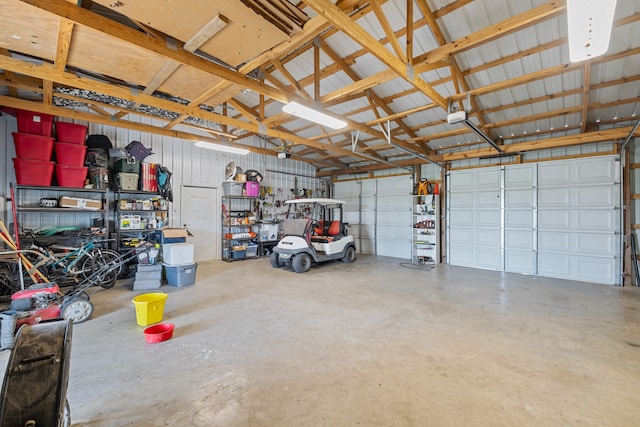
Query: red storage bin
(33, 172)
(30, 146)
(70, 154)
(35, 123)
(71, 133)
(71, 176)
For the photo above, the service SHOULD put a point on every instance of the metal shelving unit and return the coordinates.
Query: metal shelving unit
(236, 230)
(425, 244)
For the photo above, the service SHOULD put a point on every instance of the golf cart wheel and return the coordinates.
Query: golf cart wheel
(77, 310)
(301, 263)
(275, 261)
(349, 255)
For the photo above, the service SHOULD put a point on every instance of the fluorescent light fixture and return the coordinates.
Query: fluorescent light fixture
(315, 116)
(222, 147)
(589, 24)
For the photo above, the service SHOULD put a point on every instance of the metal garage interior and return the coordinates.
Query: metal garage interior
(530, 316)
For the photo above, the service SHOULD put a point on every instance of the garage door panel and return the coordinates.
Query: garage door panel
(518, 219)
(597, 196)
(516, 261)
(461, 236)
(489, 258)
(392, 232)
(461, 255)
(587, 269)
(487, 237)
(579, 220)
(368, 231)
(554, 197)
(519, 239)
(395, 186)
(520, 176)
(368, 187)
(594, 269)
(606, 221)
(393, 202)
(394, 217)
(554, 173)
(554, 265)
(486, 199)
(461, 218)
(395, 248)
(522, 198)
(594, 170)
(595, 244)
(559, 241)
(461, 181)
(487, 178)
(553, 219)
(490, 218)
(368, 203)
(367, 246)
(461, 200)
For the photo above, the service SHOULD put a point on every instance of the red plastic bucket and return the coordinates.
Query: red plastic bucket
(71, 133)
(30, 146)
(71, 176)
(33, 172)
(70, 154)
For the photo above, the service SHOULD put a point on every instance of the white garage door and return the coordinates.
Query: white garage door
(579, 220)
(379, 211)
(555, 219)
(474, 218)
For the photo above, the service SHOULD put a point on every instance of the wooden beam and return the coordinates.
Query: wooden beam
(206, 33)
(514, 23)
(65, 31)
(339, 19)
(386, 27)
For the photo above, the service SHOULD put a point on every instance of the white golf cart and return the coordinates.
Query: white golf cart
(313, 232)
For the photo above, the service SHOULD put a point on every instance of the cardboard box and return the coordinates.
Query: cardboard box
(171, 235)
(79, 203)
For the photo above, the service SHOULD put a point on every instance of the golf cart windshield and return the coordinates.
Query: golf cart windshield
(294, 227)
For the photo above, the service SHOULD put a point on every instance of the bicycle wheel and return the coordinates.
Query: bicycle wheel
(101, 267)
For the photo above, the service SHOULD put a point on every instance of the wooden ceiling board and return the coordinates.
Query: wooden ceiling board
(26, 29)
(245, 36)
(126, 62)
(188, 82)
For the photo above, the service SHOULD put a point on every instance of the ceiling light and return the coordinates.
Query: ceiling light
(315, 116)
(589, 24)
(222, 147)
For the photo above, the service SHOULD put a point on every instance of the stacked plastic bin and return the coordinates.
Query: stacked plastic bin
(179, 266)
(34, 147)
(70, 151)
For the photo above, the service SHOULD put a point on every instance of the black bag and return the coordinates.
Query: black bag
(99, 141)
(97, 158)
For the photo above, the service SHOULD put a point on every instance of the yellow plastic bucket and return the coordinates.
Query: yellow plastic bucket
(149, 307)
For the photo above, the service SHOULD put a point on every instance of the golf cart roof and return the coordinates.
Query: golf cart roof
(320, 201)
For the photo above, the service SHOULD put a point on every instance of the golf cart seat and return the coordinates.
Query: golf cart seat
(333, 232)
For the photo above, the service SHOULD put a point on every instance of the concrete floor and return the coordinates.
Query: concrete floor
(371, 343)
